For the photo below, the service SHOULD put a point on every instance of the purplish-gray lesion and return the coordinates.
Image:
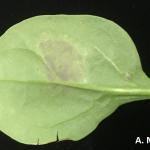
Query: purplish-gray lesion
(62, 60)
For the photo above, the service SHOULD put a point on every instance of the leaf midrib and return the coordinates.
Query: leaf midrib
(108, 90)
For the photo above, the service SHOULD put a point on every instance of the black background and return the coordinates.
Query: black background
(120, 129)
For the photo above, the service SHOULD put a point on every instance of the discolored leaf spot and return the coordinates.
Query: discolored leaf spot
(63, 60)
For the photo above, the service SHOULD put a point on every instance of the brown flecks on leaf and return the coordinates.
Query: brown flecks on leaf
(38, 141)
(57, 137)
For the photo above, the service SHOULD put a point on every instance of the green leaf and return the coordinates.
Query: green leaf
(61, 75)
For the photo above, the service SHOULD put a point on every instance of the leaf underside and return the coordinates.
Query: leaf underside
(61, 75)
